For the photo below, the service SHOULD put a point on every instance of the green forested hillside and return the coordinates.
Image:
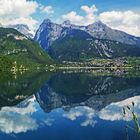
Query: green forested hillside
(76, 49)
(16, 47)
(13, 91)
(5, 63)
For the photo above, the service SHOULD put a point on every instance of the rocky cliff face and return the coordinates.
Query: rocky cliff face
(71, 42)
(48, 32)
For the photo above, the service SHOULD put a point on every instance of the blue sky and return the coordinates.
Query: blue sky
(64, 6)
(118, 14)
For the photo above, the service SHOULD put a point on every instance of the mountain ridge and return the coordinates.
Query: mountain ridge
(97, 30)
(67, 41)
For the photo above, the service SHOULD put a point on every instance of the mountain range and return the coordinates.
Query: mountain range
(67, 41)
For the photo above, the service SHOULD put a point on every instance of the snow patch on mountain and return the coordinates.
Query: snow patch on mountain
(24, 29)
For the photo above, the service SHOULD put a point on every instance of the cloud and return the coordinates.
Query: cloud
(89, 10)
(73, 114)
(10, 123)
(86, 112)
(47, 9)
(113, 112)
(22, 111)
(75, 18)
(17, 120)
(29, 21)
(18, 11)
(89, 122)
(90, 13)
(49, 121)
(89, 117)
(127, 21)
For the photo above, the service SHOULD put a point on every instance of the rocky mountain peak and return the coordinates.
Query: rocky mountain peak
(97, 26)
(46, 21)
(66, 23)
(99, 23)
(49, 32)
(22, 28)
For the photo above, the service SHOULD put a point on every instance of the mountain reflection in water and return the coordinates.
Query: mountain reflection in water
(78, 105)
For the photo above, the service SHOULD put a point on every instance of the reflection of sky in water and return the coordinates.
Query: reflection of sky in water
(16, 119)
(29, 117)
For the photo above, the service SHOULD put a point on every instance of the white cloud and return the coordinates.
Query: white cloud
(127, 21)
(89, 122)
(90, 13)
(29, 21)
(89, 10)
(82, 20)
(47, 9)
(10, 123)
(17, 120)
(22, 111)
(113, 112)
(18, 11)
(49, 121)
(73, 17)
(86, 112)
(73, 114)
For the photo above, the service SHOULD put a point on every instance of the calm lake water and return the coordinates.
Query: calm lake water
(60, 106)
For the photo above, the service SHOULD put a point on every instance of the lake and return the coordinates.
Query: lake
(67, 106)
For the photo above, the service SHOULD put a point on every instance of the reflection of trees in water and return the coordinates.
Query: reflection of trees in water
(67, 90)
(13, 91)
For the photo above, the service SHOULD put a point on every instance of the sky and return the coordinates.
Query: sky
(118, 14)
